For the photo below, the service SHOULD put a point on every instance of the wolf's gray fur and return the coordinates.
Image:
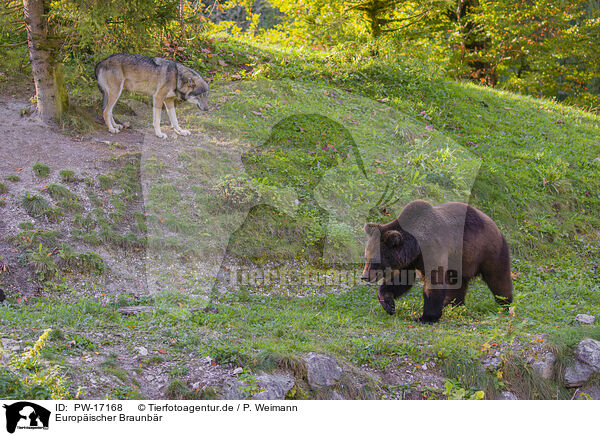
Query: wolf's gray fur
(163, 79)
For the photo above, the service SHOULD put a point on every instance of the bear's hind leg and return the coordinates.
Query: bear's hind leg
(456, 297)
(500, 283)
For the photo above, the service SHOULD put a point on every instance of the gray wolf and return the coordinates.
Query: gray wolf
(447, 245)
(163, 79)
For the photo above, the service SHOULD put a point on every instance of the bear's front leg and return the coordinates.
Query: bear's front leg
(387, 293)
(433, 303)
(386, 298)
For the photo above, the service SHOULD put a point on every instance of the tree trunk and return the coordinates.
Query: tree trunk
(50, 89)
(182, 19)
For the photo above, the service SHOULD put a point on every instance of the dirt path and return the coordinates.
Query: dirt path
(25, 140)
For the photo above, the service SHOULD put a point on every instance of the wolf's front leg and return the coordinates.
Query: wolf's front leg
(170, 106)
(157, 103)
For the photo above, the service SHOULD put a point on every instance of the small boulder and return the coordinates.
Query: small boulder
(274, 386)
(583, 318)
(322, 370)
(577, 374)
(335, 395)
(491, 361)
(589, 393)
(588, 352)
(507, 396)
(232, 389)
(544, 367)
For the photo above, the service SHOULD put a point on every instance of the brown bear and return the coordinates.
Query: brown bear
(447, 245)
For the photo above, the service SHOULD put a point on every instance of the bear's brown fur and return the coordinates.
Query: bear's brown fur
(447, 245)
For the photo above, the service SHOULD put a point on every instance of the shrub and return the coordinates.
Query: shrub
(35, 205)
(42, 261)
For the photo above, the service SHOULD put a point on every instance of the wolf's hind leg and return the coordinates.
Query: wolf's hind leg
(111, 100)
(170, 106)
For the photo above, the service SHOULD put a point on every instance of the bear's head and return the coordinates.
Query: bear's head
(388, 250)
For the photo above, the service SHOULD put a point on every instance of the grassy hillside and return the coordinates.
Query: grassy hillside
(532, 165)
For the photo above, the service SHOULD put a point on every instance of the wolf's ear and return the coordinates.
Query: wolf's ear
(370, 228)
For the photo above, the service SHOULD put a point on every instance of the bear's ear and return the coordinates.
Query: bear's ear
(370, 228)
(393, 238)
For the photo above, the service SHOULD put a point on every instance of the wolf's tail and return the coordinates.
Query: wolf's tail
(97, 72)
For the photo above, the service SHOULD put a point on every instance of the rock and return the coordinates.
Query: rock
(582, 318)
(588, 352)
(577, 374)
(142, 351)
(10, 345)
(275, 386)
(507, 396)
(589, 392)
(270, 386)
(491, 361)
(237, 371)
(322, 370)
(232, 389)
(2, 296)
(544, 367)
(4, 354)
(335, 395)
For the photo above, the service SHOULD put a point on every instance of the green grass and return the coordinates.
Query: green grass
(351, 325)
(35, 205)
(530, 164)
(41, 170)
(67, 176)
(13, 178)
(64, 198)
(58, 192)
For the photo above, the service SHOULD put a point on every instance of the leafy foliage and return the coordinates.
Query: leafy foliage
(28, 377)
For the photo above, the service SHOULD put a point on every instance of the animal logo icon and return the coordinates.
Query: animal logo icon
(24, 414)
